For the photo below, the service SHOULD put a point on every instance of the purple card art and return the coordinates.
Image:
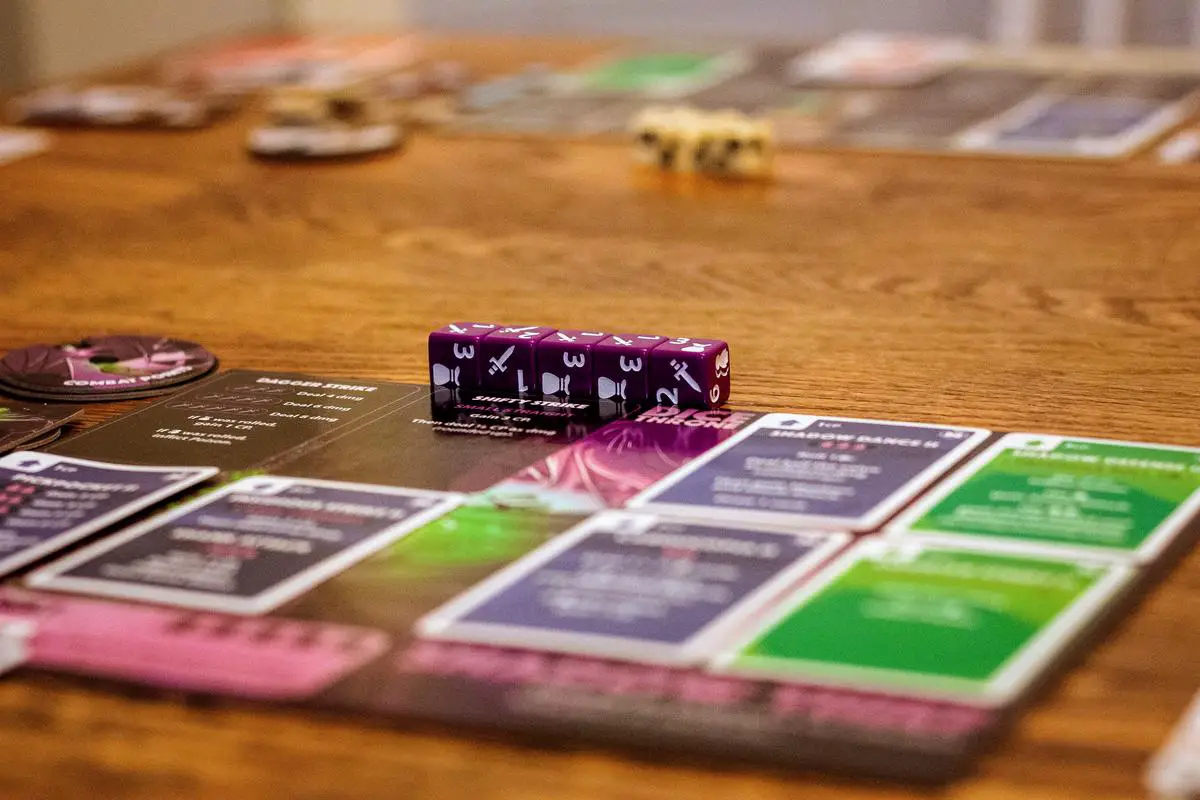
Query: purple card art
(620, 460)
(626, 585)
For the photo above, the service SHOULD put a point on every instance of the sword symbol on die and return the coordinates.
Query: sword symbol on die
(499, 364)
(681, 374)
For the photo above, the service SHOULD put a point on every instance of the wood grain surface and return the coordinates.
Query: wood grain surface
(1013, 295)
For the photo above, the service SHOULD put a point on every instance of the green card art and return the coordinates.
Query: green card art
(928, 620)
(1031, 493)
(667, 73)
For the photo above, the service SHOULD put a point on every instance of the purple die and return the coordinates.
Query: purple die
(565, 363)
(508, 362)
(623, 366)
(690, 372)
(455, 354)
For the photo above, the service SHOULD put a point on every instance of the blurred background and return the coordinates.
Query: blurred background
(47, 40)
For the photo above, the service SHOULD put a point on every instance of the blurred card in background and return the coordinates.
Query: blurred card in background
(928, 116)
(1101, 116)
(878, 59)
(250, 63)
(17, 144)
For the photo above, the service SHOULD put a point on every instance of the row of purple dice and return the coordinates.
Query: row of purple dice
(584, 365)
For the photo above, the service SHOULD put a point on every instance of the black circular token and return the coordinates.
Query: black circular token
(104, 368)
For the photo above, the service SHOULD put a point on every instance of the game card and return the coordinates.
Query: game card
(1030, 492)
(930, 115)
(658, 71)
(1175, 771)
(930, 620)
(633, 586)
(789, 469)
(878, 59)
(240, 420)
(273, 659)
(252, 62)
(1181, 148)
(1096, 117)
(761, 88)
(248, 547)
(14, 644)
(25, 424)
(48, 502)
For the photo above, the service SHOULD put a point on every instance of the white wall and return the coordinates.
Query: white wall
(780, 19)
(1166, 22)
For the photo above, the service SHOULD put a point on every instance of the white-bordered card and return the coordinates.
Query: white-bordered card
(929, 620)
(634, 586)
(831, 472)
(247, 547)
(48, 502)
(1032, 492)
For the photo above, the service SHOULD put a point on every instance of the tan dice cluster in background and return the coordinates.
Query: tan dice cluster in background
(721, 143)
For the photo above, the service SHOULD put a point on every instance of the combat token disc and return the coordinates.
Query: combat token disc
(104, 368)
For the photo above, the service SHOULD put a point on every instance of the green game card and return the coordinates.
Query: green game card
(660, 74)
(1031, 493)
(929, 620)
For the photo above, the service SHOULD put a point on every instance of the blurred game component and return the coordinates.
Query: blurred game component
(1174, 773)
(103, 368)
(580, 365)
(29, 426)
(1182, 148)
(446, 77)
(120, 106)
(664, 71)
(1107, 115)
(249, 64)
(725, 144)
(805, 117)
(14, 643)
(877, 60)
(439, 78)
(331, 115)
(426, 96)
(16, 144)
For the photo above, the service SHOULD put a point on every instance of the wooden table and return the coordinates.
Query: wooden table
(1007, 294)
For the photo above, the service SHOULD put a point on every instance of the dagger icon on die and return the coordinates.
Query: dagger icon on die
(681, 373)
(498, 364)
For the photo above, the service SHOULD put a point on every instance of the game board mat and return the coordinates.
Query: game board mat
(346, 645)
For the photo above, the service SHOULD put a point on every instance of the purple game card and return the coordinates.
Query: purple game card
(248, 547)
(789, 469)
(633, 586)
(48, 502)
